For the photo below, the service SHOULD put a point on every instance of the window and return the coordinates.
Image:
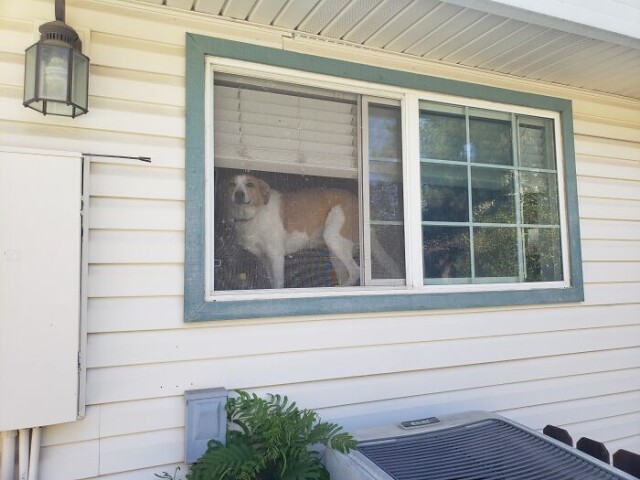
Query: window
(490, 204)
(303, 147)
(372, 190)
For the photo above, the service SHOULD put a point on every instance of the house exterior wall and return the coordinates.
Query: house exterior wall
(576, 366)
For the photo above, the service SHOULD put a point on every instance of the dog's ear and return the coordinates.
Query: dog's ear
(265, 191)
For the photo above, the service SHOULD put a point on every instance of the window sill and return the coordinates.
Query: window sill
(250, 305)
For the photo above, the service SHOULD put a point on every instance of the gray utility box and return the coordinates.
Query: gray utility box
(206, 419)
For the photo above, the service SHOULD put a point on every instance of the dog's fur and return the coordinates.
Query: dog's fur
(272, 224)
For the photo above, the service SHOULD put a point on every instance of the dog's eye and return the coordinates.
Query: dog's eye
(250, 185)
(232, 184)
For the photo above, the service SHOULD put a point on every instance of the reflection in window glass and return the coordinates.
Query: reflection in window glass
(446, 252)
(539, 198)
(543, 255)
(385, 192)
(490, 141)
(444, 191)
(536, 145)
(496, 254)
(493, 195)
(502, 167)
(442, 136)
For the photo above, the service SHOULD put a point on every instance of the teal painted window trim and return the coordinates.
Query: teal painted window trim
(195, 306)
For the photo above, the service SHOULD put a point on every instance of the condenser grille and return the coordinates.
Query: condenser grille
(486, 450)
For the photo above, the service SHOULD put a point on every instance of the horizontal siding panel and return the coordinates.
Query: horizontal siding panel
(143, 181)
(608, 188)
(21, 32)
(610, 251)
(163, 151)
(220, 341)
(612, 294)
(65, 462)
(106, 114)
(88, 428)
(157, 414)
(136, 86)
(136, 214)
(142, 416)
(130, 53)
(604, 128)
(610, 209)
(631, 444)
(592, 166)
(498, 398)
(607, 272)
(131, 452)
(617, 149)
(579, 410)
(606, 429)
(609, 230)
(12, 71)
(162, 380)
(135, 280)
(373, 388)
(620, 111)
(135, 246)
(143, 313)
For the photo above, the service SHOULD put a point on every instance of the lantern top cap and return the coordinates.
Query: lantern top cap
(59, 33)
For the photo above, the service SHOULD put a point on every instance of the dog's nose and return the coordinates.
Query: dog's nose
(238, 197)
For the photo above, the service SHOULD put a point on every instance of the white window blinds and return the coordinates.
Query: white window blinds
(303, 131)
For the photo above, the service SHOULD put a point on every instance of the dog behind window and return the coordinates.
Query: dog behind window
(272, 224)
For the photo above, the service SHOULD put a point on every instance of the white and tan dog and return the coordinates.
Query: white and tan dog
(272, 224)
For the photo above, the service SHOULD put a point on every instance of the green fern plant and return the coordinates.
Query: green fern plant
(270, 439)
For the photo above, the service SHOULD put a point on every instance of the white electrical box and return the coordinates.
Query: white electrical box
(40, 270)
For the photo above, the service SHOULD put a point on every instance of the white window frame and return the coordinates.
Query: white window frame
(409, 103)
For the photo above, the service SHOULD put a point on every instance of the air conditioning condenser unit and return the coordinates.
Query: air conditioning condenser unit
(467, 446)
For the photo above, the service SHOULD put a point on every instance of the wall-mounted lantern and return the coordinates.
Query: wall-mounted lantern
(56, 80)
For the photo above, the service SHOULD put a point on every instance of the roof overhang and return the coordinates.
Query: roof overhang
(587, 44)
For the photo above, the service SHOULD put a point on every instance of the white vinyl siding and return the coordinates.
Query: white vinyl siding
(575, 366)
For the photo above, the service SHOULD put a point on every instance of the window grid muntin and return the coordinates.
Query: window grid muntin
(438, 108)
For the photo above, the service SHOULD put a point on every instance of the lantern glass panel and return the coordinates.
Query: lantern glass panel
(57, 108)
(80, 80)
(54, 73)
(30, 73)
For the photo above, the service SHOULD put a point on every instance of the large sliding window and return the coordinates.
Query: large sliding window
(328, 193)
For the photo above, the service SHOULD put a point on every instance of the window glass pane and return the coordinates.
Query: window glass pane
(536, 147)
(490, 140)
(387, 252)
(444, 193)
(276, 230)
(446, 252)
(496, 253)
(493, 195)
(270, 126)
(442, 136)
(385, 192)
(539, 197)
(385, 163)
(543, 254)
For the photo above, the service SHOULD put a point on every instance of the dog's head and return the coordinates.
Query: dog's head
(244, 195)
